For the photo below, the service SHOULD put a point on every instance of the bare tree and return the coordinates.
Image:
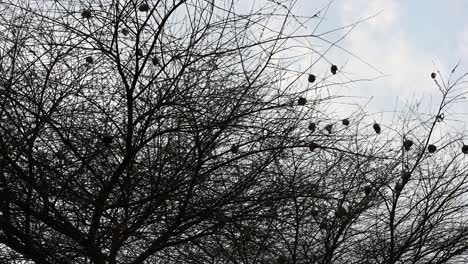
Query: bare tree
(372, 194)
(133, 128)
(177, 131)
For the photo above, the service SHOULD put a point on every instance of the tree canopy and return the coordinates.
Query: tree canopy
(180, 132)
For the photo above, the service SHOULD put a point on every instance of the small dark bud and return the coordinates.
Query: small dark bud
(301, 101)
(433, 75)
(345, 122)
(440, 118)
(377, 128)
(312, 127)
(408, 144)
(333, 69)
(143, 8)
(311, 78)
(431, 148)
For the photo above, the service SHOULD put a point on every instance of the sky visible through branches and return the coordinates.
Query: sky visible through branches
(227, 132)
(397, 46)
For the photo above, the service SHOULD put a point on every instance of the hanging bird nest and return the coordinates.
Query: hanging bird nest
(311, 78)
(247, 235)
(125, 32)
(324, 224)
(465, 149)
(398, 187)
(139, 52)
(312, 127)
(86, 13)
(433, 75)
(234, 149)
(345, 122)
(154, 60)
(314, 212)
(107, 139)
(407, 144)
(377, 128)
(405, 176)
(301, 101)
(329, 128)
(282, 260)
(334, 69)
(341, 212)
(143, 8)
(5, 195)
(313, 146)
(431, 148)
(89, 60)
(367, 190)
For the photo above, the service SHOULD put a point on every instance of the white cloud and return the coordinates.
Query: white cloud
(463, 43)
(382, 42)
(361, 9)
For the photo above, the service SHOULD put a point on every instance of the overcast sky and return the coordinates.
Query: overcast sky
(406, 41)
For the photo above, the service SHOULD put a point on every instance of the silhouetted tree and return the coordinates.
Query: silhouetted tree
(130, 129)
(175, 132)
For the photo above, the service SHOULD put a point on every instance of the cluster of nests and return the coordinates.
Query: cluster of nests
(368, 189)
(88, 13)
(90, 60)
(340, 212)
(312, 127)
(333, 70)
(329, 128)
(407, 144)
